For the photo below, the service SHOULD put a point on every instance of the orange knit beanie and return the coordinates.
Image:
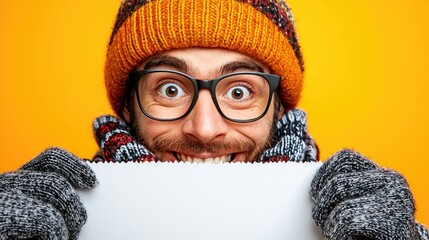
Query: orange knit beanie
(262, 29)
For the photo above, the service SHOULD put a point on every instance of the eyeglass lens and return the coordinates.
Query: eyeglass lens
(168, 95)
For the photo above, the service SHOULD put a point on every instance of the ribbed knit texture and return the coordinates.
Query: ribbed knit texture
(263, 30)
(356, 199)
(39, 201)
(293, 143)
(116, 142)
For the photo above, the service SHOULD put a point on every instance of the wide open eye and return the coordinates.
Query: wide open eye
(238, 93)
(171, 90)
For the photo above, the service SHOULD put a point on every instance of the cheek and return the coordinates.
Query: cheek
(150, 129)
(264, 126)
(259, 131)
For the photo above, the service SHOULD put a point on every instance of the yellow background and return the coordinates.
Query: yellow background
(366, 81)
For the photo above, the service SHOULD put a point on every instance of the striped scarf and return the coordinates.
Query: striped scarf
(292, 141)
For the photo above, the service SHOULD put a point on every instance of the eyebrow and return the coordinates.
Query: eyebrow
(245, 64)
(181, 65)
(164, 60)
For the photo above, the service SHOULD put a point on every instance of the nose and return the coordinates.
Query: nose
(204, 123)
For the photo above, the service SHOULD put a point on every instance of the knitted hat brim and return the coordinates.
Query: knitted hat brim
(164, 25)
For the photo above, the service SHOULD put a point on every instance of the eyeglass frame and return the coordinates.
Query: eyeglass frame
(136, 76)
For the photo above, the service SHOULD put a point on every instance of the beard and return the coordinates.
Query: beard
(171, 143)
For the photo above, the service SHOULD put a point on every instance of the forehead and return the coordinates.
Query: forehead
(205, 61)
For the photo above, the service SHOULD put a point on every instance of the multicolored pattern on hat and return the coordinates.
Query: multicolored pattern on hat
(276, 10)
(280, 13)
(263, 30)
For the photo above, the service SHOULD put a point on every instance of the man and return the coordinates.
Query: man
(207, 81)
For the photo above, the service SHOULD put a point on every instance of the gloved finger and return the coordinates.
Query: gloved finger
(22, 217)
(359, 184)
(52, 189)
(344, 161)
(60, 161)
(370, 217)
(421, 230)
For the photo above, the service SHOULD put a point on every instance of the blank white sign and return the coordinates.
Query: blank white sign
(174, 201)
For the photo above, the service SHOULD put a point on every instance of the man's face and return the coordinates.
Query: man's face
(203, 135)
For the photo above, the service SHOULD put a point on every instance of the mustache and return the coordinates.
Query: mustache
(171, 143)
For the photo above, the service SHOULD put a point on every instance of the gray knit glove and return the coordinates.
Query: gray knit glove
(356, 199)
(38, 201)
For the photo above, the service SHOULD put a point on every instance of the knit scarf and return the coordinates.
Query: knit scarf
(292, 141)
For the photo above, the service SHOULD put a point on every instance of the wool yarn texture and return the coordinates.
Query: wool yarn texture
(263, 30)
(39, 201)
(292, 141)
(356, 199)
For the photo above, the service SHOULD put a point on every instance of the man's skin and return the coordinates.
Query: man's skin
(204, 127)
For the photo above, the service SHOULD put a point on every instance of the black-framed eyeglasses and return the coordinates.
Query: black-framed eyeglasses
(168, 95)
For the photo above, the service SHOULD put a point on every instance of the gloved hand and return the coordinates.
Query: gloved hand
(38, 201)
(356, 199)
